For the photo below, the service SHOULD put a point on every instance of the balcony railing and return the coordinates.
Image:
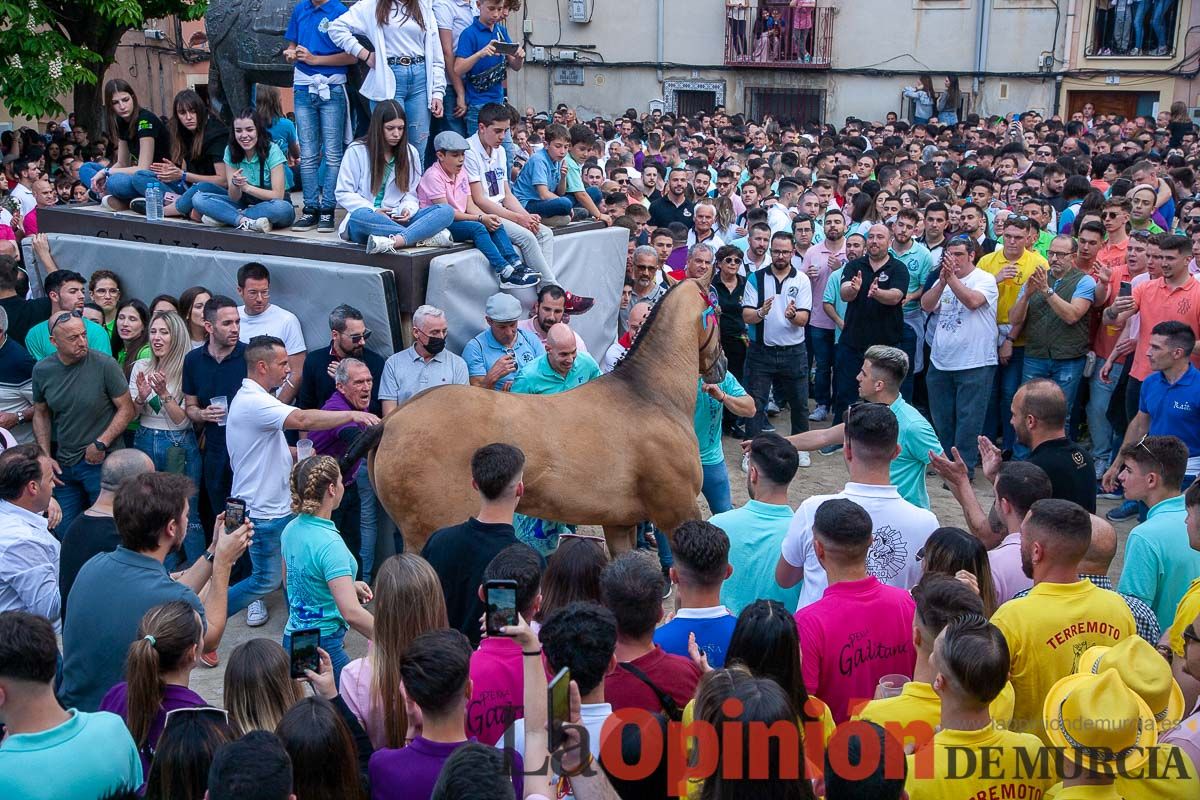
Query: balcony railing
(775, 34)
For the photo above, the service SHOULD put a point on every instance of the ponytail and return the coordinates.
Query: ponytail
(167, 633)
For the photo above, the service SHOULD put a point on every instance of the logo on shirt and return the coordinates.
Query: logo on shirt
(883, 277)
(1077, 459)
(323, 25)
(888, 554)
(793, 292)
(1182, 405)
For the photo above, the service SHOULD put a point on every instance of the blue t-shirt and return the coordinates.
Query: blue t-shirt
(89, 755)
(540, 170)
(283, 134)
(483, 351)
(712, 634)
(1174, 409)
(707, 421)
(1086, 288)
(484, 82)
(315, 554)
(308, 28)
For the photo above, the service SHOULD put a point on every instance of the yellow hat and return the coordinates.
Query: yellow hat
(1143, 670)
(1097, 719)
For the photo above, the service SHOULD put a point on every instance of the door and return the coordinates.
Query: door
(689, 102)
(796, 106)
(1123, 103)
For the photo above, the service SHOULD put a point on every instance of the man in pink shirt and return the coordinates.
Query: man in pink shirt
(550, 310)
(497, 677)
(860, 630)
(43, 193)
(819, 262)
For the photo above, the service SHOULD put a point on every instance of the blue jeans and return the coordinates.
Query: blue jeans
(184, 202)
(786, 370)
(496, 247)
(1158, 20)
(425, 223)
(665, 558)
(558, 207)
(87, 171)
(999, 410)
(80, 488)
(1066, 372)
(954, 403)
(156, 444)
(220, 207)
(412, 94)
(1099, 396)
(716, 487)
(821, 342)
(372, 521)
(321, 125)
(908, 343)
(267, 559)
(332, 644)
(464, 125)
(846, 366)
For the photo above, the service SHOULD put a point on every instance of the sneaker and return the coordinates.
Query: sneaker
(667, 592)
(325, 221)
(805, 459)
(829, 449)
(109, 203)
(746, 463)
(210, 659)
(440, 239)
(518, 276)
(580, 214)
(306, 221)
(381, 244)
(210, 222)
(767, 428)
(819, 414)
(577, 304)
(256, 614)
(772, 408)
(138, 205)
(1126, 510)
(556, 222)
(261, 225)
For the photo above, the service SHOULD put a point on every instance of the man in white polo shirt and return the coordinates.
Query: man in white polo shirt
(872, 436)
(262, 464)
(260, 318)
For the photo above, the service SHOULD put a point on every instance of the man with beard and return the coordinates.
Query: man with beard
(348, 339)
(549, 310)
(645, 287)
(674, 205)
(115, 589)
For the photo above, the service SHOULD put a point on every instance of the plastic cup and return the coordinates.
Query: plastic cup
(222, 403)
(304, 449)
(892, 685)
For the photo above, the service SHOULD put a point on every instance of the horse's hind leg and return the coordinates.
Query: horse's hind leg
(621, 539)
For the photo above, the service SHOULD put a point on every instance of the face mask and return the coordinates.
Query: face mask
(435, 345)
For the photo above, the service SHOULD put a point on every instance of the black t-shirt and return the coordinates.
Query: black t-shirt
(88, 536)
(663, 212)
(868, 321)
(459, 555)
(24, 314)
(147, 124)
(1071, 471)
(216, 137)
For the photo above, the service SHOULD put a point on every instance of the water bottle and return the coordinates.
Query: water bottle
(154, 201)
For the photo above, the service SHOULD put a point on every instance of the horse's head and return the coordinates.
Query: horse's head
(713, 363)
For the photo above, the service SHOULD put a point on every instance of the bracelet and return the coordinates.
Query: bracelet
(583, 766)
(531, 652)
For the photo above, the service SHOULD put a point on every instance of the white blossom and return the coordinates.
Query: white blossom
(55, 68)
(15, 61)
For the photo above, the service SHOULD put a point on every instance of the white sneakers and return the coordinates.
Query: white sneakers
(261, 225)
(439, 239)
(381, 244)
(819, 414)
(746, 463)
(256, 614)
(805, 461)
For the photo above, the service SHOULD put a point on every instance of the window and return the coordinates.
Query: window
(1128, 29)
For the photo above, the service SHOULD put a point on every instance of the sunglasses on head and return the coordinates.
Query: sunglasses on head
(63, 317)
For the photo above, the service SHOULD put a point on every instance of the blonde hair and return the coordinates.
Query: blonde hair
(311, 479)
(259, 688)
(171, 364)
(408, 602)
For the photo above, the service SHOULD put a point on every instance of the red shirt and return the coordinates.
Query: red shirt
(1104, 335)
(674, 675)
(1157, 302)
(498, 689)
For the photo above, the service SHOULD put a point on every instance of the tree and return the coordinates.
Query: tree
(55, 47)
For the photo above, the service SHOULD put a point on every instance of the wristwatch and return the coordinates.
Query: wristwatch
(209, 556)
(21, 417)
(99, 445)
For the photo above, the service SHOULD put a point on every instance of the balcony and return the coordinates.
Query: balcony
(773, 35)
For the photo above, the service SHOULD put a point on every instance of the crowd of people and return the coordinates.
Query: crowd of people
(1008, 300)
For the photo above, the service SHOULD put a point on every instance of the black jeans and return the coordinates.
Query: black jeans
(846, 366)
(785, 369)
(348, 519)
(735, 352)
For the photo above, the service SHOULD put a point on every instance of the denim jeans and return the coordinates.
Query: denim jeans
(954, 402)
(665, 558)
(558, 207)
(156, 444)
(220, 207)
(821, 342)
(267, 559)
(333, 644)
(1099, 396)
(412, 94)
(1158, 20)
(908, 343)
(321, 125)
(80, 488)
(373, 523)
(1066, 372)
(537, 250)
(846, 366)
(495, 245)
(184, 203)
(144, 177)
(999, 410)
(347, 518)
(784, 369)
(87, 171)
(425, 223)
(716, 487)
(1140, 11)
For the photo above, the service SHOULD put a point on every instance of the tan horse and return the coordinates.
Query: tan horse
(613, 452)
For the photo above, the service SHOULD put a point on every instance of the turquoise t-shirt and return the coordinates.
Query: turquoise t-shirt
(756, 532)
(538, 377)
(89, 755)
(1159, 563)
(919, 261)
(708, 419)
(315, 554)
(917, 438)
(38, 343)
(259, 178)
(574, 175)
(833, 296)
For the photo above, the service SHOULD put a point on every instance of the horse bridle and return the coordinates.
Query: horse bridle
(716, 326)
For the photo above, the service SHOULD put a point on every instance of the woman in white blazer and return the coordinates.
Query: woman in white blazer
(377, 185)
(407, 64)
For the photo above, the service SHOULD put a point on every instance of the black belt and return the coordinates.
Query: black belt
(405, 61)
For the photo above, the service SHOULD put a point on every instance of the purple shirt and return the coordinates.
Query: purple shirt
(331, 442)
(174, 697)
(410, 773)
(1007, 575)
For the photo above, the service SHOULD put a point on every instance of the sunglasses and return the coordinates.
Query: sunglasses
(1111, 214)
(731, 260)
(361, 337)
(585, 536)
(218, 716)
(77, 313)
(849, 412)
(1140, 235)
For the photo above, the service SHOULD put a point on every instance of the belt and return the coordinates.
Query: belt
(405, 61)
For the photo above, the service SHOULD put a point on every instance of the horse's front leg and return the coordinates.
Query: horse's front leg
(620, 538)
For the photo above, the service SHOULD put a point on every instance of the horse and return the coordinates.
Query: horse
(613, 452)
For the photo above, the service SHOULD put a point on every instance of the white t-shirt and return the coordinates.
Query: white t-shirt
(779, 219)
(258, 451)
(778, 329)
(966, 339)
(277, 322)
(615, 352)
(158, 420)
(24, 196)
(402, 36)
(490, 170)
(900, 529)
(714, 241)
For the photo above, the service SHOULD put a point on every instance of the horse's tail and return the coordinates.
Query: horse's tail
(366, 442)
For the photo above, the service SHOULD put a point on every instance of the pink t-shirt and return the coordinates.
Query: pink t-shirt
(1007, 574)
(855, 634)
(7, 233)
(436, 183)
(30, 223)
(498, 692)
(355, 688)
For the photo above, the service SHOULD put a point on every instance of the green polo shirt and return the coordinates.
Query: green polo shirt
(538, 377)
(756, 532)
(1159, 562)
(916, 440)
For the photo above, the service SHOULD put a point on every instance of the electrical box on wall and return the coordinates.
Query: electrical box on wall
(579, 10)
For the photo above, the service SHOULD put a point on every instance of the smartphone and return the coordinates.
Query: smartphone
(1126, 289)
(505, 48)
(235, 513)
(501, 599)
(558, 706)
(304, 653)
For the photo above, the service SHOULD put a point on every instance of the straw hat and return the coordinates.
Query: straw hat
(1144, 671)
(1097, 719)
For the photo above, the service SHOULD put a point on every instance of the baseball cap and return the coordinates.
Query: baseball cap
(501, 307)
(450, 142)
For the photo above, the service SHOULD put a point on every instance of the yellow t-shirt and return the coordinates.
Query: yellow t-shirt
(1047, 631)
(1016, 766)
(1168, 775)
(1086, 793)
(919, 706)
(1185, 613)
(1009, 289)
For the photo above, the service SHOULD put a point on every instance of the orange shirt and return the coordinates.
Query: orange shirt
(1157, 302)
(1104, 335)
(1112, 255)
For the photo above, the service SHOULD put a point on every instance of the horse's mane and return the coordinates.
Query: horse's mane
(624, 367)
